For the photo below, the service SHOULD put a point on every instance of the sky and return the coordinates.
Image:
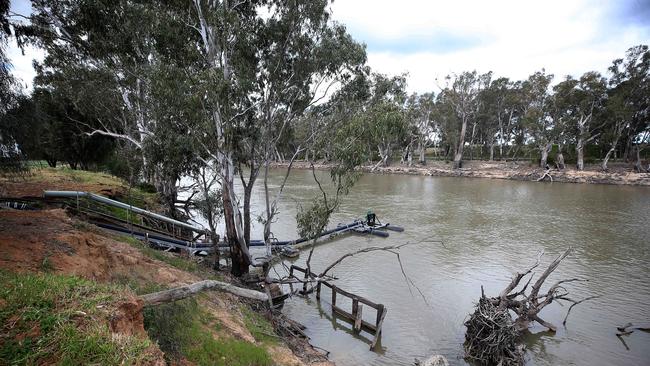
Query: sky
(429, 39)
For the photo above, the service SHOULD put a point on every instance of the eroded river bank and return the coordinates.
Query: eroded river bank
(617, 174)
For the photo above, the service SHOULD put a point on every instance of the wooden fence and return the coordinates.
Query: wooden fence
(355, 315)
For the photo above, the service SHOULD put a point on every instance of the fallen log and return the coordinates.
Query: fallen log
(182, 292)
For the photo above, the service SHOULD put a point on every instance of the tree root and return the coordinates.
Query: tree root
(492, 337)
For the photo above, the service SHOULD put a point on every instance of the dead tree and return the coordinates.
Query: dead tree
(493, 336)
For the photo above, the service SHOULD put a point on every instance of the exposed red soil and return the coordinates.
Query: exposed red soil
(128, 319)
(49, 239)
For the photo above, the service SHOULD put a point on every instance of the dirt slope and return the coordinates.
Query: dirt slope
(51, 241)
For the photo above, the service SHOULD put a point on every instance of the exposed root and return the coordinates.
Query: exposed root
(492, 337)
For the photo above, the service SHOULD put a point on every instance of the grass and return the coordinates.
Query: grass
(183, 330)
(48, 318)
(259, 327)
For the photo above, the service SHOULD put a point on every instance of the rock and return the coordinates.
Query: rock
(435, 360)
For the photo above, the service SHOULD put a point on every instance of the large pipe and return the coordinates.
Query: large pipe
(110, 202)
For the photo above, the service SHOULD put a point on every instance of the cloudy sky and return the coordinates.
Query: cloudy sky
(432, 38)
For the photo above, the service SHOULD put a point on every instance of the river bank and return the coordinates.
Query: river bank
(618, 174)
(95, 279)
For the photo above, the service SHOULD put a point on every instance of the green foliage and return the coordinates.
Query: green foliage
(54, 319)
(182, 329)
(311, 221)
(49, 127)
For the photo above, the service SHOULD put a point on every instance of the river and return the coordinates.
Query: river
(472, 232)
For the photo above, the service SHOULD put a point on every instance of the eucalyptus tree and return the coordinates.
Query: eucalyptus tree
(106, 58)
(261, 65)
(96, 55)
(6, 80)
(491, 115)
(629, 103)
(578, 103)
(420, 115)
(9, 159)
(535, 112)
(461, 98)
(500, 113)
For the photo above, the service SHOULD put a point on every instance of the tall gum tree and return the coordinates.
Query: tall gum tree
(265, 64)
(104, 57)
(629, 103)
(578, 103)
(535, 112)
(461, 97)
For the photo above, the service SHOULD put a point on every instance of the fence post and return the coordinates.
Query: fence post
(358, 319)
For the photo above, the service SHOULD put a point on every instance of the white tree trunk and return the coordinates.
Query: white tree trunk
(422, 150)
(580, 152)
(545, 150)
(458, 157)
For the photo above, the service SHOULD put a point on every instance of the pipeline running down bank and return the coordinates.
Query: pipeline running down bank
(370, 226)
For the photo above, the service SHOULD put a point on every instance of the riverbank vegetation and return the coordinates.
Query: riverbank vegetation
(156, 91)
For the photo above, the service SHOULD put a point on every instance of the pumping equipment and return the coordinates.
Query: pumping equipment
(122, 205)
(370, 226)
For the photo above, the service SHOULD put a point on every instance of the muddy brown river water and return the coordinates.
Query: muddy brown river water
(480, 232)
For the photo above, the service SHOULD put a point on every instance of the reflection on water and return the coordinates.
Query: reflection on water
(489, 229)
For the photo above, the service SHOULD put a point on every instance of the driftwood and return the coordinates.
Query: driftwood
(182, 292)
(493, 337)
(547, 173)
(628, 329)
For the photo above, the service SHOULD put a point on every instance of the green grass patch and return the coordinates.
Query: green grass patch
(48, 318)
(259, 326)
(184, 330)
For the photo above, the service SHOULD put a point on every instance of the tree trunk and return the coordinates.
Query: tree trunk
(492, 151)
(501, 139)
(637, 163)
(248, 189)
(544, 150)
(384, 155)
(214, 238)
(459, 148)
(611, 150)
(406, 156)
(240, 262)
(628, 148)
(471, 142)
(422, 159)
(580, 151)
